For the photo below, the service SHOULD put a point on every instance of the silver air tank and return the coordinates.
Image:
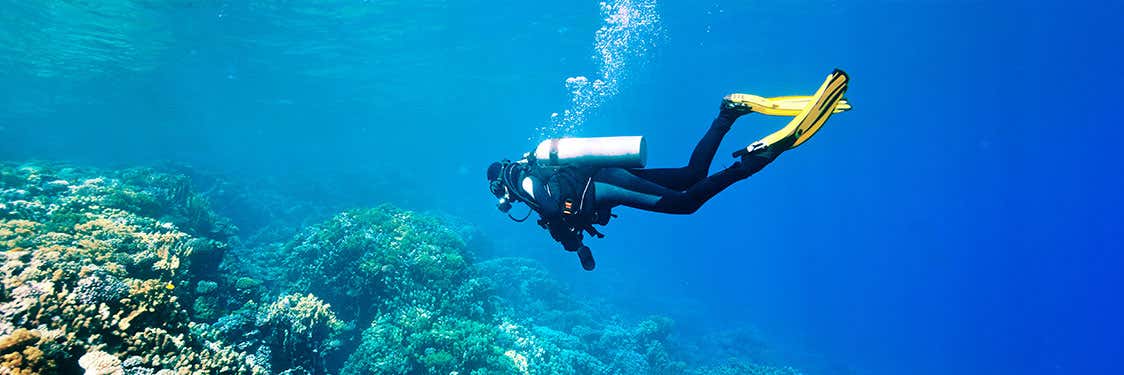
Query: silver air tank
(621, 152)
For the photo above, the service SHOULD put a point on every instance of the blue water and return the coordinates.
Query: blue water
(962, 219)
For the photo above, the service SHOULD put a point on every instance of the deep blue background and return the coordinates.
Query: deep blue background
(962, 219)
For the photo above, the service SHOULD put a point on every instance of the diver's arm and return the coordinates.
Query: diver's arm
(548, 206)
(552, 220)
(570, 239)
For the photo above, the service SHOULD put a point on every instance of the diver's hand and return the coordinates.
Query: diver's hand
(570, 239)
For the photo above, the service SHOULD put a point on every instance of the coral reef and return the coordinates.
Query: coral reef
(744, 368)
(91, 264)
(407, 276)
(301, 330)
(132, 272)
(381, 257)
(418, 341)
(554, 333)
(429, 307)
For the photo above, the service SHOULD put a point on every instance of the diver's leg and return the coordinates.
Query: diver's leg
(615, 186)
(689, 201)
(699, 164)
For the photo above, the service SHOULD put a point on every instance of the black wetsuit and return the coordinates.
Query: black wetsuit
(678, 190)
(668, 190)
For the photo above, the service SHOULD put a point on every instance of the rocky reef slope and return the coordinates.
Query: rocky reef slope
(132, 272)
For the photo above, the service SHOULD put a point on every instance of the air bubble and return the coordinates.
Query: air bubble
(628, 29)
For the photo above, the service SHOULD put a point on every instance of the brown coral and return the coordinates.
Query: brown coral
(19, 354)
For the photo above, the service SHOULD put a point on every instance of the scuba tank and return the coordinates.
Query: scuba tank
(620, 152)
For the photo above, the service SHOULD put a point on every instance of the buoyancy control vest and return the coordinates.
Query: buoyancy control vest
(572, 187)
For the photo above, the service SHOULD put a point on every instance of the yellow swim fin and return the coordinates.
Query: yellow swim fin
(777, 106)
(810, 119)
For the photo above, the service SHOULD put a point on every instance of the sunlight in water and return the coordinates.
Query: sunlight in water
(628, 30)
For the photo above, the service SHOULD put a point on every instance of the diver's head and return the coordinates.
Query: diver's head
(494, 171)
(495, 179)
(496, 184)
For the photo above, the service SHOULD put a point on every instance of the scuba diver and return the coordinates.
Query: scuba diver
(573, 183)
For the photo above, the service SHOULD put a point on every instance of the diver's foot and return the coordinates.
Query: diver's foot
(738, 104)
(763, 150)
(758, 155)
(586, 257)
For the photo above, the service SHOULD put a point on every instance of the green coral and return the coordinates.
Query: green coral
(204, 309)
(206, 287)
(410, 274)
(244, 283)
(374, 258)
(417, 341)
